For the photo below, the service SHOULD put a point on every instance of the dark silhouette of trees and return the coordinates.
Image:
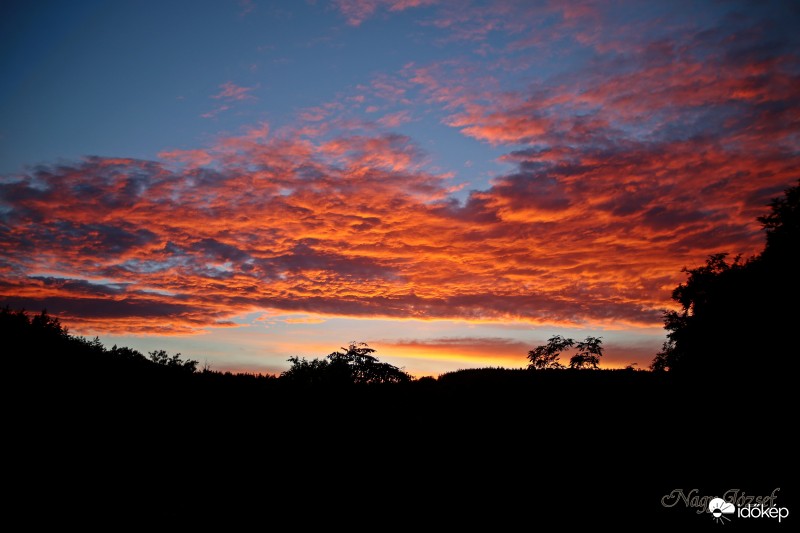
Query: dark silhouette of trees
(354, 364)
(40, 341)
(546, 356)
(589, 353)
(303, 371)
(782, 226)
(160, 357)
(732, 312)
(366, 368)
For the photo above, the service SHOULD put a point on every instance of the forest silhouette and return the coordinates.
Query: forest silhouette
(121, 420)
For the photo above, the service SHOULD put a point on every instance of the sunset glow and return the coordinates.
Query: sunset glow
(450, 182)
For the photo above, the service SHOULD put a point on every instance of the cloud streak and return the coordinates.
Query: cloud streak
(231, 92)
(357, 11)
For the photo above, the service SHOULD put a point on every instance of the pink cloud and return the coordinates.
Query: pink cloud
(232, 92)
(216, 111)
(246, 7)
(357, 11)
(393, 120)
(196, 158)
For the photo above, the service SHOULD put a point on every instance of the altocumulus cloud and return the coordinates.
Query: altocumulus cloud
(650, 153)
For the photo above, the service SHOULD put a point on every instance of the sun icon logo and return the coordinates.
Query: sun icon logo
(719, 508)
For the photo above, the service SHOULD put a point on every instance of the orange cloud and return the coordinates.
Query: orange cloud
(623, 170)
(353, 227)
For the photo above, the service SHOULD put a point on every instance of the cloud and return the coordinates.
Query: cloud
(511, 352)
(393, 120)
(216, 111)
(357, 11)
(622, 165)
(231, 92)
(354, 227)
(246, 7)
(488, 350)
(198, 158)
(351, 226)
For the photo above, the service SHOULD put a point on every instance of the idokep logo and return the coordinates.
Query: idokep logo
(733, 504)
(719, 508)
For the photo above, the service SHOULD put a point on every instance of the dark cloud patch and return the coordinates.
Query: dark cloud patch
(663, 217)
(366, 223)
(82, 287)
(762, 197)
(20, 191)
(626, 204)
(660, 53)
(750, 47)
(216, 250)
(304, 257)
(104, 308)
(477, 343)
(476, 209)
(93, 239)
(21, 200)
(107, 183)
(721, 238)
(526, 190)
(114, 239)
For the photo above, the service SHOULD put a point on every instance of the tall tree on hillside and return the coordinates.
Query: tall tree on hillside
(589, 353)
(731, 312)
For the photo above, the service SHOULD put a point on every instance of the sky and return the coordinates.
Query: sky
(451, 182)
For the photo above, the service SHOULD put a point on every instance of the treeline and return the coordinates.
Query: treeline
(39, 345)
(40, 341)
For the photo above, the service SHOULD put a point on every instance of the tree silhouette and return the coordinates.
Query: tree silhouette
(303, 371)
(160, 357)
(364, 367)
(354, 364)
(546, 356)
(730, 312)
(589, 353)
(782, 226)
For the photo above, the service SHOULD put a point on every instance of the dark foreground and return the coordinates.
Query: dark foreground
(500, 450)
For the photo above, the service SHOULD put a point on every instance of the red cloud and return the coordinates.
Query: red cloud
(353, 227)
(625, 169)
